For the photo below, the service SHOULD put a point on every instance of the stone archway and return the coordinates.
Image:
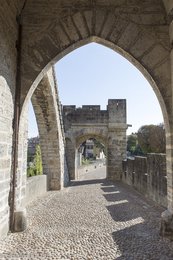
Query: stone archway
(109, 126)
(145, 42)
(139, 31)
(72, 146)
(91, 153)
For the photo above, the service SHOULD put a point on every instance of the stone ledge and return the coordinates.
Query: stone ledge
(20, 220)
(117, 126)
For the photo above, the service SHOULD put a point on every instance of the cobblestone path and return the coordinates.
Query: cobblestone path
(92, 219)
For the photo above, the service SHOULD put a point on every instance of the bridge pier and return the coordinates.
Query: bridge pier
(70, 151)
(116, 150)
(51, 139)
(167, 216)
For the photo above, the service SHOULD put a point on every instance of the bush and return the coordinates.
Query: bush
(35, 167)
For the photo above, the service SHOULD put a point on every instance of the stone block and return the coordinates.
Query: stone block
(156, 55)
(20, 220)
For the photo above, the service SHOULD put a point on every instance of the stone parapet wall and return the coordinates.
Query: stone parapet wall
(87, 114)
(35, 187)
(148, 176)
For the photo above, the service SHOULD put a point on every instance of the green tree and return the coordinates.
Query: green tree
(132, 141)
(132, 145)
(35, 167)
(151, 138)
(38, 161)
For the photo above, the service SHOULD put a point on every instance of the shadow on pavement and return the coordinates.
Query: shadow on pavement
(87, 182)
(137, 234)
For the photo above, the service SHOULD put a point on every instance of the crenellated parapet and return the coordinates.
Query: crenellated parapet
(113, 117)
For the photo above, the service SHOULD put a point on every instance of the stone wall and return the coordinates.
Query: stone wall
(116, 147)
(8, 36)
(35, 187)
(85, 114)
(148, 176)
(22, 162)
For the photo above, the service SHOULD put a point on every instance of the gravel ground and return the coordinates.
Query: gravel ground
(91, 219)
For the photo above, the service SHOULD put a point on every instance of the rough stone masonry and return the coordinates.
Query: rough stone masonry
(108, 126)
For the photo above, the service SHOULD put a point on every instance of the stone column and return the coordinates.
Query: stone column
(167, 216)
(6, 131)
(71, 158)
(116, 150)
(20, 219)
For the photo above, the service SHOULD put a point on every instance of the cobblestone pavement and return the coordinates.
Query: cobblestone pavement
(92, 219)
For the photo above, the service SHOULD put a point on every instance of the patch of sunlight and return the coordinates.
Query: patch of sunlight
(130, 223)
(120, 202)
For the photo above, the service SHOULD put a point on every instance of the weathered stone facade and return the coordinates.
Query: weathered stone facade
(108, 126)
(141, 31)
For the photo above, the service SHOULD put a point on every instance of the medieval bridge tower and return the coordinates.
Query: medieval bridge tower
(107, 126)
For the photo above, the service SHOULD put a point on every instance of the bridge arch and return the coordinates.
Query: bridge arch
(138, 31)
(73, 143)
(83, 138)
(90, 147)
(157, 83)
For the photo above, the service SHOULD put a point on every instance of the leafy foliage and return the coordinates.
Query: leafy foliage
(132, 145)
(35, 167)
(148, 139)
(151, 138)
(132, 142)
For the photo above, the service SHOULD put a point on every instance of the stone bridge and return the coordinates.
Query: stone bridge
(107, 126)
(36, 34)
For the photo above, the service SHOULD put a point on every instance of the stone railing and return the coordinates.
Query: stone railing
(36, 186)
(148, 176)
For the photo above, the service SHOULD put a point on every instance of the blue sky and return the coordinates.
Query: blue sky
(93, 73)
